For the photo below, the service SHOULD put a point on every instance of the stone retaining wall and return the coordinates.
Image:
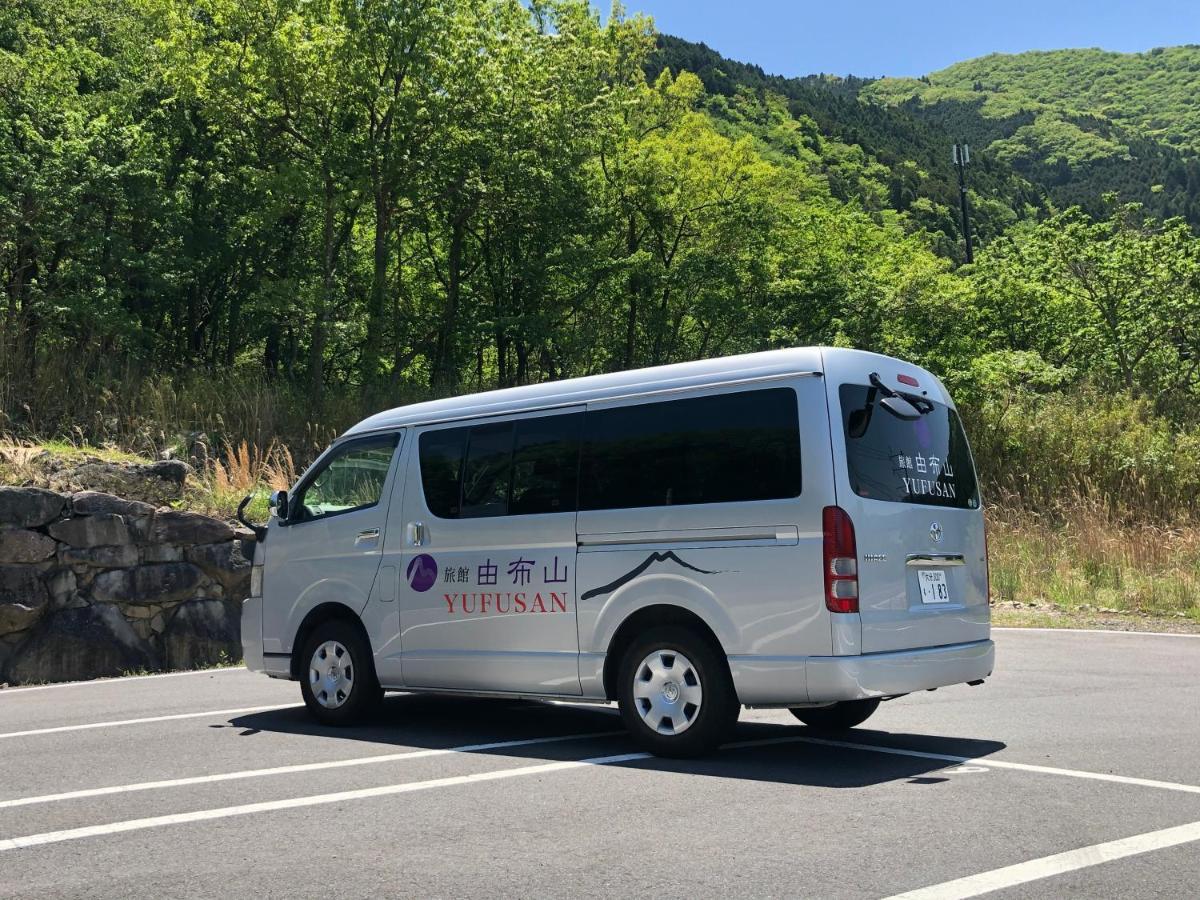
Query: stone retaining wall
(94, 585)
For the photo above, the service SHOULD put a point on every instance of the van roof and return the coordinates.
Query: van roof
(576, 391)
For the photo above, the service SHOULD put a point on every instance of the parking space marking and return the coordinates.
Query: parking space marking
(225, 812)
(53, 837)
(174, 717)
(983, 762)
(300, 767)
(120, 679)
(72, 834)
(993, 763)
(1174, 634)
(1057, 864)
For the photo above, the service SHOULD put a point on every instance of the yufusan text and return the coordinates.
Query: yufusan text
(504, 603)
(918, 487)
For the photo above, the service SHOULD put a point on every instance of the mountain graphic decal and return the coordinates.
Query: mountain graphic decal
(633, 573)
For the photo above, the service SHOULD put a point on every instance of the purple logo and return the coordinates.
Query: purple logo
(422, 572)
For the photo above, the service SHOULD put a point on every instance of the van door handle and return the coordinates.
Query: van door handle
(416, 534)
(371, 534)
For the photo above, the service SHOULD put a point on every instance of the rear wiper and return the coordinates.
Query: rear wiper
(904, 406)
(901, 405)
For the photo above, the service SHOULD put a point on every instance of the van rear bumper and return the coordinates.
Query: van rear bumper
(898, 672)
(778, 681)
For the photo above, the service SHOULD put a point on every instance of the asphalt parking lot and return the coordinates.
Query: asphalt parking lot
(1075, 771)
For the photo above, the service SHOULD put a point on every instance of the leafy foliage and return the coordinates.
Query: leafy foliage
(906, 158)
(392, 198)
(260, 219)
(1079, 122)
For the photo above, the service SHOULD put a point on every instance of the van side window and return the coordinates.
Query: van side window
(741, 446)
(441, 469)
(546, 465)
(485, 480)
(351, 478)
(522, 467)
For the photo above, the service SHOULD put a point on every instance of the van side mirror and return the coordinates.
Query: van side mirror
(279, 503)
(260, 531)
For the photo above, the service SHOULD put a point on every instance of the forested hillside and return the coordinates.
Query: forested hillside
(275, 213)
(260, 220)
(252, 222)
(1080, 122)
(920, 178)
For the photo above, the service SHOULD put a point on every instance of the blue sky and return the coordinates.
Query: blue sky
(873, 37)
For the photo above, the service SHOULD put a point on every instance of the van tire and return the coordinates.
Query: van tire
(839, 717)
(704, 666)
(363, 694)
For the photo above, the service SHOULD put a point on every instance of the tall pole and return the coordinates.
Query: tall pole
(962, 156)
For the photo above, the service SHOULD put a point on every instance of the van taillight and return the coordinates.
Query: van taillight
(841, 561)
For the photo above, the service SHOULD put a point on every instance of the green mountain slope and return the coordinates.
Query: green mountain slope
(909, 152)
(1079, 122)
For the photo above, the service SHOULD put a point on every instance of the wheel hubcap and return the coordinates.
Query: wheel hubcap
(331, 674)
(667, 692)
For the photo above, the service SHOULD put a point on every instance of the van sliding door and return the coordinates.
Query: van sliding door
(488, 572)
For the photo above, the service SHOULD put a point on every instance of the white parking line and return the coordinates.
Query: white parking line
(225, 812)
(121, 679)
(1058, 864)
(499, 745)
(1174, 634)
(300, 767)
(1002, 764)
(71, 834)
(171, 718)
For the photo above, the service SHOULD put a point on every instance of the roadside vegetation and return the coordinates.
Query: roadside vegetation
(1078, 561)
(1084, 568)
(231, 228)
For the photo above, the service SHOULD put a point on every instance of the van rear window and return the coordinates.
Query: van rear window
(924, 461)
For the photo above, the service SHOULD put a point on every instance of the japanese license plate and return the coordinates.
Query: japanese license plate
(933, 586)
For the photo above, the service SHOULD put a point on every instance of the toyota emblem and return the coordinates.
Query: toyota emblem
(935, 532)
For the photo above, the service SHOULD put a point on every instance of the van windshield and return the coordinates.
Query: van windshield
(924, 460)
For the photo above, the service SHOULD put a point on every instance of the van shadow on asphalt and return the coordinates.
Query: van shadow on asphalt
(419, 722)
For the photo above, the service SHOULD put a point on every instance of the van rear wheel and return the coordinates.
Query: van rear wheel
(338, 680)
(838, 717)
(675, 693)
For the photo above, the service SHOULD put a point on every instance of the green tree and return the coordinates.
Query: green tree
(1116, 298)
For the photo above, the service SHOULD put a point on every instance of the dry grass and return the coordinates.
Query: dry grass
(1088, 559)
(96, 401)
(19, 459)
(237, 471)
(245, 469)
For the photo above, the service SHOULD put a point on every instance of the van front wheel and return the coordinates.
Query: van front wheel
(338, 678)
(675, 694)
(838, 717)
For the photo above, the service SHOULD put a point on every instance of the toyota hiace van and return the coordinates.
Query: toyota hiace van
(797, 529)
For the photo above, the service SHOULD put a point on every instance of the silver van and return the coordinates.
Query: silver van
(797, 529)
